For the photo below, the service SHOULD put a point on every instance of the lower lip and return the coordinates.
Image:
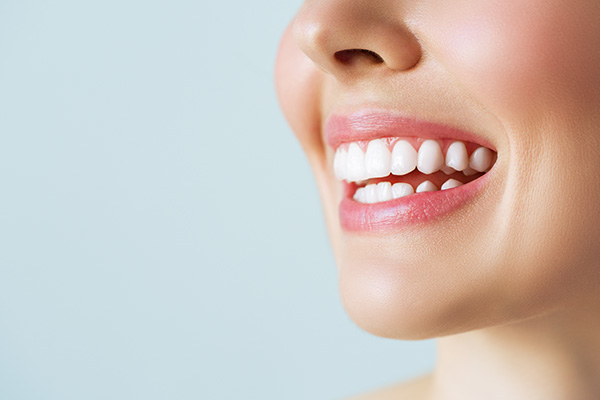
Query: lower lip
(407, 211)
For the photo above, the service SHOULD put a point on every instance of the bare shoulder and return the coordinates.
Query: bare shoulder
(414, 389)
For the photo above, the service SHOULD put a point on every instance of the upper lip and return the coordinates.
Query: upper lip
(372, 124)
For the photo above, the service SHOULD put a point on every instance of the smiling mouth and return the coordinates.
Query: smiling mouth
(398, 170)
(389, 168)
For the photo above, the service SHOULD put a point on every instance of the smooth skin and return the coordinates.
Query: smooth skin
(510, 284)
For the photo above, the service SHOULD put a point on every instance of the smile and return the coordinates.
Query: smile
(391, 168)
(398, 171)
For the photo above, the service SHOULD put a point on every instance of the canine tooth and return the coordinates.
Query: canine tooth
(377, 159)
(371, 193)
(481, 159)
(426, 186)
(384, 191)
(430, 157)
(401, 189)
(451, 183)
(457, 157)
(339, 163)
(404, 158)
(355, 163)
(359, 195)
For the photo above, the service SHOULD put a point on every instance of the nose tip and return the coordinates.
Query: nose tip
(347, 39)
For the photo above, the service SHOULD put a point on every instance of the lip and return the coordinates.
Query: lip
(376, 124)
(407, 211)
(410, 210)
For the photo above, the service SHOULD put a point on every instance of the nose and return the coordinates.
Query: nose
(346, 38)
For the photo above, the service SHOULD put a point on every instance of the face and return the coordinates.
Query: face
(496, 103)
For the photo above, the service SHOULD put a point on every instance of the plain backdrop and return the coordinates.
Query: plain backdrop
(161, 235)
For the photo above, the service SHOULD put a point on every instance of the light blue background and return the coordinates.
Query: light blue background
(160, 233)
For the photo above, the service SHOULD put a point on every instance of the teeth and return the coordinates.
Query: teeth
(377, 159)
(401, 190)
(426, 186)
(352, 164)
(371, 193)
(339, 163)
(384, 191)
(469, 171)
(457, 157)
(451, 183)
(404, 158)
(481, 159)
(447, 170)
(355, 163)
(430, 158)
(359, 195)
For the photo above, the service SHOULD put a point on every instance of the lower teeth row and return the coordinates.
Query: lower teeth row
(385, 191)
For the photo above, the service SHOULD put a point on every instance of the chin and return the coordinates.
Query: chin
(395, 309)
(410, 294)
(386, 301)
(399, 300)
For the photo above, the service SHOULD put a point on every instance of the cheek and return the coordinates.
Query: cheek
(298, 84)
(535, 66)
(529, 56)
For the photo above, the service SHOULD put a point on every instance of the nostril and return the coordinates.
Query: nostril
(348, 56)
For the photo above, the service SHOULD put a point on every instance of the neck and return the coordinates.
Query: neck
(552, 357)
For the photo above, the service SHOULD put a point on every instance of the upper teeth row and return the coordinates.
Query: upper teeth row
(354, 165)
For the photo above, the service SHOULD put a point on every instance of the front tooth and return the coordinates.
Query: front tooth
(339, 163)
(426, 186)
(451, 183)
(401, 189)
(371, 193)
(430, 157)
(384, 191)
(404, 158)
(377, 159)
(359, 195)
(457, 157)
(481, 159)
(355, 164)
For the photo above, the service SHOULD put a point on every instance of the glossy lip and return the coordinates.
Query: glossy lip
(410, 210)
(375, 124)
(407, 211)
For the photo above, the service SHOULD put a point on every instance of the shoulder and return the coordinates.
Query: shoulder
(414, 389)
